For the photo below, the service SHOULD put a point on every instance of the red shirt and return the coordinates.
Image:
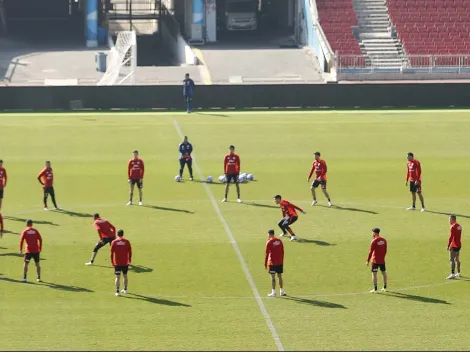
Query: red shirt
(47, 176)
(3, 177)
(121, 252)
(378, 250)
(274, 252)
(231, 164)
(320, 169)
(33, 240)
(288, 208)
(1, 223)
(135, 169)
(414, 171)
(455, 236)
(105, 228)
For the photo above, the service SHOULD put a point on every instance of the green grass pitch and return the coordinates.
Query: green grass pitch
(188, 289)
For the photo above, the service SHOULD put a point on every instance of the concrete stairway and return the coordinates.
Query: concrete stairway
(381, 48)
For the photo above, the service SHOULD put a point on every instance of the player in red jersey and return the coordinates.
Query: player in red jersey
(46, 179)
(33, 240)
(106, 234)
(135, 176)
(3, 182)
(274, 262)
(320, 169)
(1, 225)
(289, 216)
(232, 171)
(453, 246)
(378, 251)
(413, 175)
(121, 258)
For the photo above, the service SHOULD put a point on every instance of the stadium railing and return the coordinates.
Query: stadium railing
(455, 64)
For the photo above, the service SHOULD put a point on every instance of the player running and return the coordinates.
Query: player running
(185, 149)
(414, 176)
(289, 216)
(121, 258)
(378, 250)
(46, 179)
(274, 262)
(135, 176)
(106, 233)
(453, 246)
(3, 182)
(231, 171)
(188, 91)
(320, 169)
(33, 240)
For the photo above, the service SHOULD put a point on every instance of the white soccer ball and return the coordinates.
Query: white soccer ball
(242, 178)
(222, 179)
(243, 175)
(177, 178)
(250, 177)
(210, 179)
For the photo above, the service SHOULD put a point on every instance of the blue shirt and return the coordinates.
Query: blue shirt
(188, 87)
(185, 148)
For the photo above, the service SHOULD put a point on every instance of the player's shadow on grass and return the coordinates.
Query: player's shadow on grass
(312, 302)
(161, 301)
(73, 213)
(156, 207)
(262, 205)
(139, 269)
(208, 183)
(37, 222)
(10, 232)
(211, 114)
(448, 214)
(415, 297)
(317, 242)
(337, 207)
(65, 287)
(12, 254)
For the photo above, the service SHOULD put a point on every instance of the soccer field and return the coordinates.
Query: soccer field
(198, 281)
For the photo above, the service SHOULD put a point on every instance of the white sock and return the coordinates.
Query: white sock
(282, 291)
(273, 291)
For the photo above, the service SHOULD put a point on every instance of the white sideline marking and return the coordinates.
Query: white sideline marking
(249, 278)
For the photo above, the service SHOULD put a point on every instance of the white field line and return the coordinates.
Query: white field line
(238, 252)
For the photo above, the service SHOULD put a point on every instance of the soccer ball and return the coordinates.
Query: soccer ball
(250, 177)
(177, 178)
(242, 175)
(242, 178)
(210, 179)
(222, 179)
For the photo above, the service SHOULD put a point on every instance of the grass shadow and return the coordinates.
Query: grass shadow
(317, 242)
(155, 300)
(312, 302)
(414, 297)
(337, 207)
(7, 279)
(208, 183)
(11, 232)
(39, 222)
(169, 209)
(448, 214)
(139, 269)
(73, 213)
(103, 266)
(12, 254)
(210, 114)
(3, 248)
(262, 205)
(65, 287)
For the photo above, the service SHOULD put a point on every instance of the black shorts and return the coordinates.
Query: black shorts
(317, 183)
(118, 269)
(455, 249)
(1, 193)
(29, 256)
(107, 240)
(48, 190)
(288, 220)
(376, 267)
(184, 161)
(137, 181)
(232, 177)
(276, 269)
(415, 188)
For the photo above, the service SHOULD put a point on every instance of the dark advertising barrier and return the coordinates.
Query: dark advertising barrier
(425, 95)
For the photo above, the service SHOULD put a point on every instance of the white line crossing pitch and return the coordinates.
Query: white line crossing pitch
(239, 254)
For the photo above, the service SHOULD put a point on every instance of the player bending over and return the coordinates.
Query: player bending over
(135, 176)
(378, 250)
(414, 176)
(185, 149)
(320, 169)
(121, 258)
(33, 240)
(289, 216)
(453, 246)
(274, 262)
(232, 171)
(3, 182)
(46, 179)
(106, 233)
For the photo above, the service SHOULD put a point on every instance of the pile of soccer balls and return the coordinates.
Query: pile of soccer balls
(243, 178)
